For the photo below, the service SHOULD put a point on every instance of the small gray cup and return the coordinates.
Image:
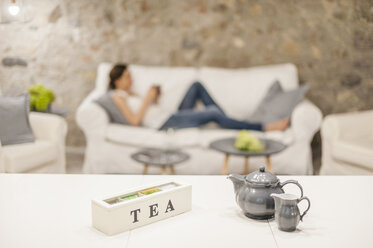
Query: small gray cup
(287, 214)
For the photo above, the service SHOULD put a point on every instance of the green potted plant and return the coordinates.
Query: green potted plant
(40, 98)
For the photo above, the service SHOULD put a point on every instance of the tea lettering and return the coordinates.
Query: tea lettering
(169, 206)
(135, 215)
(153, 211)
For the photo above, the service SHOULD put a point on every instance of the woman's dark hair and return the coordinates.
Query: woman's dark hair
(116, 73)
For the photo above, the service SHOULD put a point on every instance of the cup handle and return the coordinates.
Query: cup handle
(309, 205)
(294, 182)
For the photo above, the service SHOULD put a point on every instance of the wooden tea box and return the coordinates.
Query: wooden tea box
(140, 206)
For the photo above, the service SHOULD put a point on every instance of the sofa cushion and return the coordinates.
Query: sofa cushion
(14, 120)
(149, 137)
(278, 104)
(246, 87)
(25, 157)
(188, 137)
(358, 150)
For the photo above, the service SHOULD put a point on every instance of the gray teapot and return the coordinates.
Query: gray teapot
(253, 192)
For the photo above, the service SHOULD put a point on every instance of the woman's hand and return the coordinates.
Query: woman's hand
(153, 94)
(135, 118)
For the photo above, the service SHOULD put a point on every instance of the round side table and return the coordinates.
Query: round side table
(160, 158)
(227, 146)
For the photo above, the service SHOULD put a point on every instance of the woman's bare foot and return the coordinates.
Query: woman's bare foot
(278, 125)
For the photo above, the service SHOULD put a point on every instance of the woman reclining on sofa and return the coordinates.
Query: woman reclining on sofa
(186, 116)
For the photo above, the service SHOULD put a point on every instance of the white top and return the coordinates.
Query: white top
(154, 116)
(55, 211)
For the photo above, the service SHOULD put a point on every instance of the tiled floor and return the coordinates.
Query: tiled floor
(74, 162)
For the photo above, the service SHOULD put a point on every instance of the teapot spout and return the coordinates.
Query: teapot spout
(237, 180)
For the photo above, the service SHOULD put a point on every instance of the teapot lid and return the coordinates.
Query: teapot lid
(261, 177)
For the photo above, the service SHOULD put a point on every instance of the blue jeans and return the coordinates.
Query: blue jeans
(188, 117)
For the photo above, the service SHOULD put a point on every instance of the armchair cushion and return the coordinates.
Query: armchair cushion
(347, 143)
(358, 150)
(14, 120)
(28, 156)
(48, 127)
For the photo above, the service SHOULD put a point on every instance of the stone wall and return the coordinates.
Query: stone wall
(330, 41)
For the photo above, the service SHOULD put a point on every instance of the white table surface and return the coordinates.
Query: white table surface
(55, 211)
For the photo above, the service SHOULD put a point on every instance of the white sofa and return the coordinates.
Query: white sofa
(347, 144)
(45, 155)
(238, 91)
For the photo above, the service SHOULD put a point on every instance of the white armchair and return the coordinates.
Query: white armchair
(347, 144)
(45, 155)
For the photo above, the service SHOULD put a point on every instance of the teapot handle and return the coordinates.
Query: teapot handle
(309, 205)
(294, 182)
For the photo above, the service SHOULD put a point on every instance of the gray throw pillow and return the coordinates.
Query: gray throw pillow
(272, 91)
(278, 105)
(14, 120)
(107, 103)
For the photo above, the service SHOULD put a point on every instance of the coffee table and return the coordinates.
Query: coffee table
(160, 157)
(227, 146)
